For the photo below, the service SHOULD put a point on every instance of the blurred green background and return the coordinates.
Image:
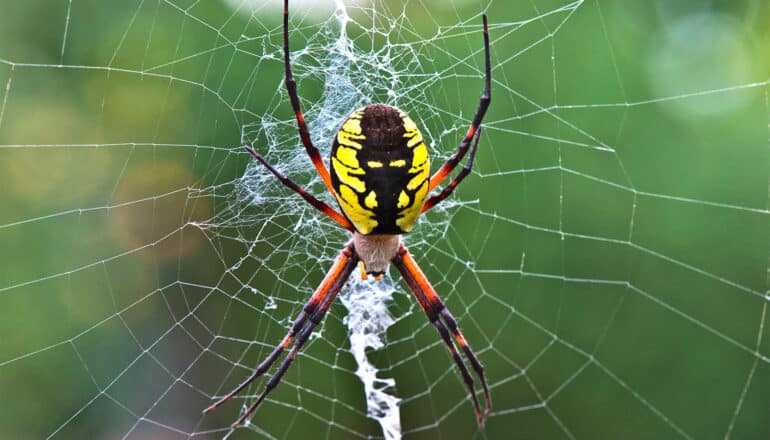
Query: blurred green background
(609, 260)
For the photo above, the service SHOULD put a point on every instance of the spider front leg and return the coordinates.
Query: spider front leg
(313, 311)
(486, 98)
(291, 89)
(435, 309)
(434, 200)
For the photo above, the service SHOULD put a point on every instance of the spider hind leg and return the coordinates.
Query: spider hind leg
(435, 310)
(312, 313)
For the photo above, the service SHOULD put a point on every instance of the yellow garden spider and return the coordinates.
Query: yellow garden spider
(379, 177)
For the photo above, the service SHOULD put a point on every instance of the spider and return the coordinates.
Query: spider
(379, 178)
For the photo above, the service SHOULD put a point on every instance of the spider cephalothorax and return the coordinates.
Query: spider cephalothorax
(379, 178)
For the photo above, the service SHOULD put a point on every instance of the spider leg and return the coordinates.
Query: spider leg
(336, 279)
(314, 311)
(435, 309)
(475, 363)
(315, 319)
(434, 200)
(486, 98)
(291, 88)
(317, 204)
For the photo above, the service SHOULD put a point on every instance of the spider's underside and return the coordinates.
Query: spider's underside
(376, 251)
(380, 179)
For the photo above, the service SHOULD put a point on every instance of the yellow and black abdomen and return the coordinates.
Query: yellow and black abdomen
(380, 170)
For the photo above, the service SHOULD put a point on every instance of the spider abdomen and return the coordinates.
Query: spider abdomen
(380, 170)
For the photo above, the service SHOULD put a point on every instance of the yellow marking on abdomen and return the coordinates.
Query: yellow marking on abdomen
(348, 156)
(416, 138)
(362, 218)
(374, 164)
(371, 200)
(349, 139)
(417, 180)
(419, 155)
(408, 217)
(409, 124)
(403, 200)
(411, 131)
(353, 124)
(397, 163)
(346, 175)
(420, 166)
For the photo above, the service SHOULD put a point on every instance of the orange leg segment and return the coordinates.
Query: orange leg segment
(434, 200)
(436, 312)
(317, 204)
(312, 314)
(291, 88)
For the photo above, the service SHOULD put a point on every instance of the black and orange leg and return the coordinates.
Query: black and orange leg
(291, 88)
(311, 315)
(317, 204)
(436, 311)
(475, 363)
(434, 200)
(486, 98)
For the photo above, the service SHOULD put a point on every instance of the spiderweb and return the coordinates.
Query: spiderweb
(608, 259)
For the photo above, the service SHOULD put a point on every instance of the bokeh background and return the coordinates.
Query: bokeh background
(609, 258)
